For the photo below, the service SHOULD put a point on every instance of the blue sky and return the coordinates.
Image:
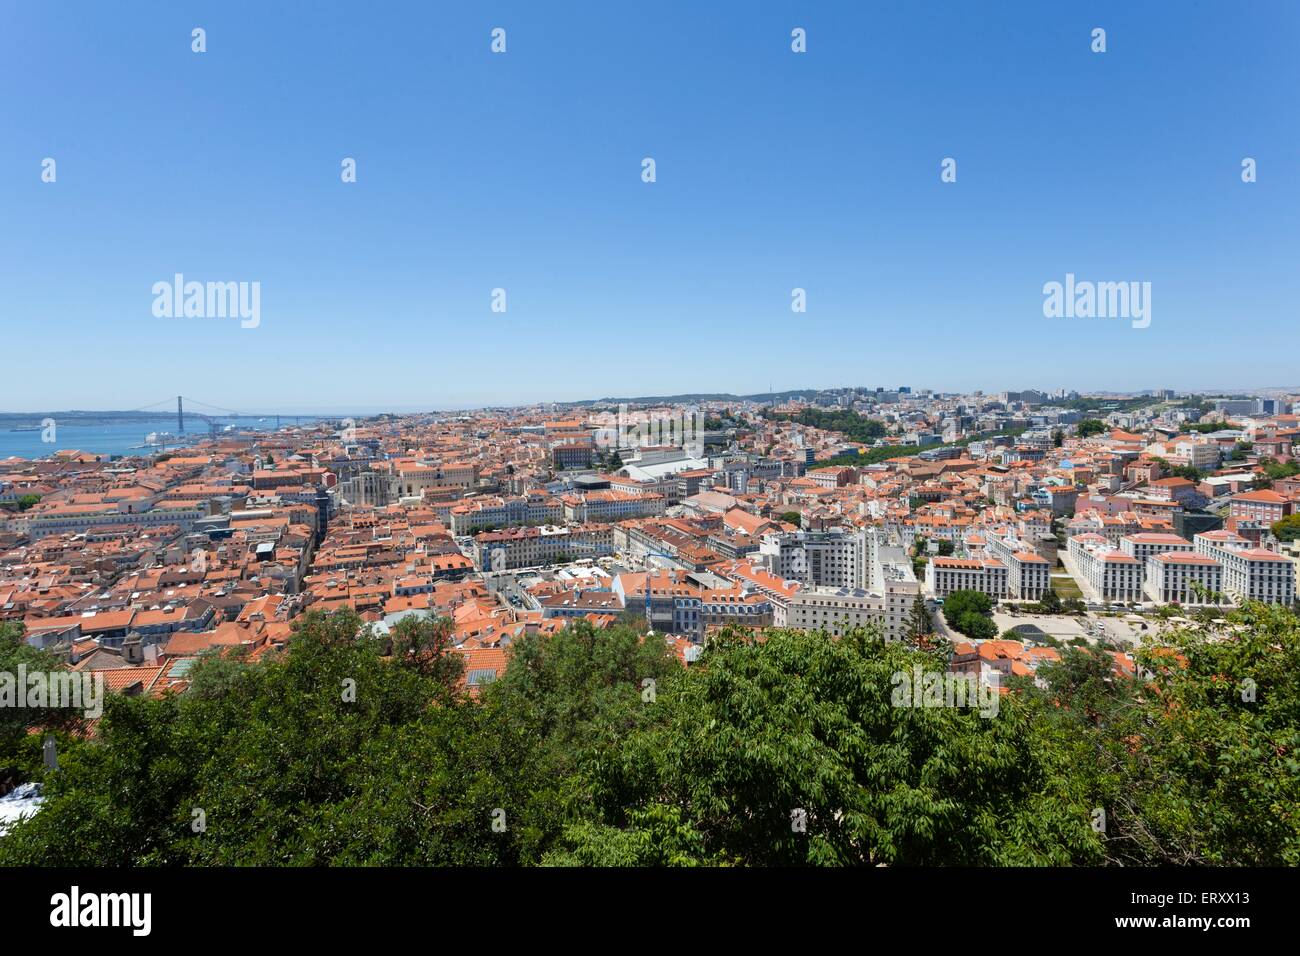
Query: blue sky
(523, 171)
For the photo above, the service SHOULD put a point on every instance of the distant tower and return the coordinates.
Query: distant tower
(180, 417)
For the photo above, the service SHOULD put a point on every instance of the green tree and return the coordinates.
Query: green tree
(1288, 528)
(21, 729)
(977, 627)
(797, 750)
(600, 748)
(1276, 470)
(919, 622)
(1198, 765)
(969, 612)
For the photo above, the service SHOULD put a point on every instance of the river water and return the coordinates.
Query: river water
(116, 438)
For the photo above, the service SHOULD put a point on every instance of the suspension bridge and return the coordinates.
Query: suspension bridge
(212, 415)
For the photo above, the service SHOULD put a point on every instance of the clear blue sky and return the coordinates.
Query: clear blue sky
(522, 171)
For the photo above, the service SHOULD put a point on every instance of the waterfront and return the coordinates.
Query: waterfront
(117, 438)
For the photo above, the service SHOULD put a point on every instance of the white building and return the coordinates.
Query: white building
(945, 575)
(1114, 575)
(836, 610)
(1249, 573)
(1170, 576)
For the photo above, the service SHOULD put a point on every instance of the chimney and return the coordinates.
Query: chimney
(133, 650)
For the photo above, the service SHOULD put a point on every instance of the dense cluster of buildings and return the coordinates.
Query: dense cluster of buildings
(519, 521)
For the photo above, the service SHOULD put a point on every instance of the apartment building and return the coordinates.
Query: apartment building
(1029, 574)
(892, 576)
(415, 480)
(1249, 573)
(1180, 490)
(1170, 577)
(572, 454)
(832, 477)
(1200, 454)
(736, 606)
(579, 603)
(836, 558)
(1265, 506)
(611, 505)
(480, 513)
(987, 575)
(1143, 545)
(76, 519)
(777, 590)
(836, 610)
(1111, 524)
(676, 604)
(1114, 575)
(534, 547)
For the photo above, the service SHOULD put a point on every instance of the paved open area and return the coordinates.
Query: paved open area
(1066, 627)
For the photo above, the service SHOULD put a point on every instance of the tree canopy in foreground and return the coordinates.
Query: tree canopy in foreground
(599, 748)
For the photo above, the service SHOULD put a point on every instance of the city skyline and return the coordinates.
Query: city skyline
(775, 171)
(163, 410)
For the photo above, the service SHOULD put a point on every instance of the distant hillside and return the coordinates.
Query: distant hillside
(703, 397)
